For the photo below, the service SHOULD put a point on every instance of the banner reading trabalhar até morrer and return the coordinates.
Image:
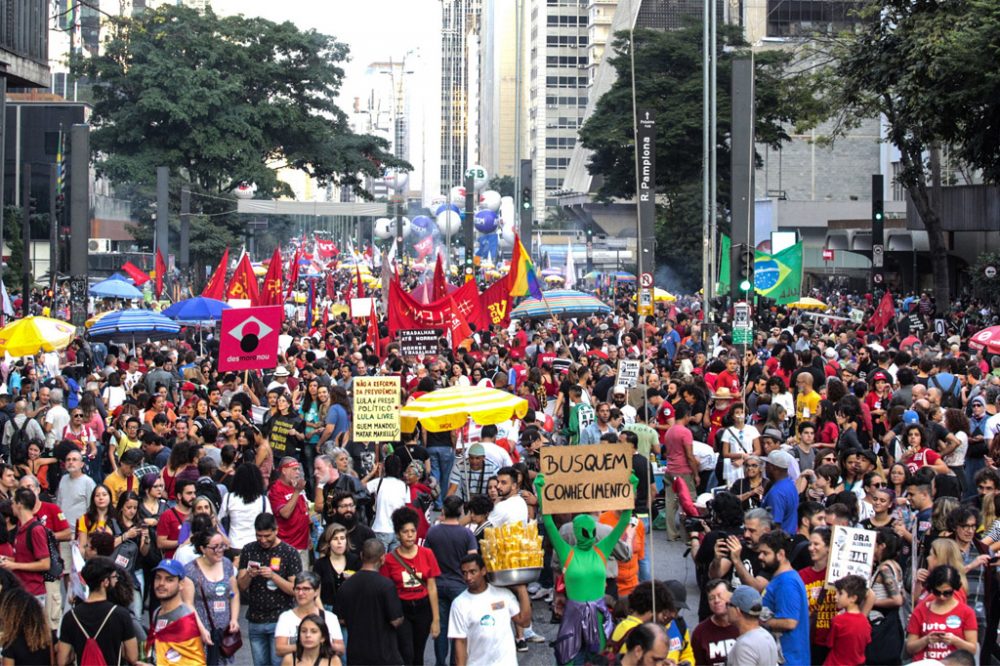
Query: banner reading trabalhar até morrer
(592, 477)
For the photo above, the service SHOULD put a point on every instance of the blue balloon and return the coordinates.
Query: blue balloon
(486, 222)
(422, 226)
(447, 206)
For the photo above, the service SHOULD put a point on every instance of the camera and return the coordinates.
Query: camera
(694, 525)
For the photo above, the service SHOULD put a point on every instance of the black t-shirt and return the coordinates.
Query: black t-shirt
(356, 538)
(410, 453)
(330, 580)
(263, 604)
(19, 653)
(363, 455)
(367, 603)
(436, 439)
(800, 552)
(279, 434)
(450, 543)
(117, 629)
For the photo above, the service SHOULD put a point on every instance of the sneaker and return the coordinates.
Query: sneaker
(550, 596)
(522, 645)
(532, 637)
(533, 588)
(540, 593)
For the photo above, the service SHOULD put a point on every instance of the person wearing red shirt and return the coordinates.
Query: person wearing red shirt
(729, 378)
(288, 501)
(31, 546)
(850, 632)
(943, 624)
(414, 571)
(169, 529)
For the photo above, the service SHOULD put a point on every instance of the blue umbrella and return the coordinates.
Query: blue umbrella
(113, 288)
(197, 309)
(559, 302)
(133, 325)
(121, 278)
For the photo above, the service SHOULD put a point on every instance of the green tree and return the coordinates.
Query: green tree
(930, 69)
(983, 287)
(670, 83)
(223, 101)
(502, 184)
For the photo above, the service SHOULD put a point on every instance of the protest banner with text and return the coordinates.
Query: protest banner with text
(579, 479)
(376, 409)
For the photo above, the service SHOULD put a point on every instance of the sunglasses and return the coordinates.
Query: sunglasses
(878, 485)
(943, 593)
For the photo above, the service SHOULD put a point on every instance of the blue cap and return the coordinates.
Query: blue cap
(172, 567)
(910, 416)
(747, 600)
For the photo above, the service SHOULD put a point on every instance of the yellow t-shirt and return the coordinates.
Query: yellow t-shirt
(807, 401)
(124, 444)
(118, 484)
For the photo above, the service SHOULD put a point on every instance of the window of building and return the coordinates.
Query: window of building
(801, 18)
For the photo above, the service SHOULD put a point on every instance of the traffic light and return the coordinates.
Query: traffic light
(745, 267)
(526, 198)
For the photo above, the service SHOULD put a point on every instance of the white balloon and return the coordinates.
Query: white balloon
(397, 180)
(245, 191)
(384, 228)
(479, 177)
(490, 200)
(449, 222)
(436, 202)
(457, 196)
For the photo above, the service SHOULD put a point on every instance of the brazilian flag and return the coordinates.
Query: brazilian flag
(779, 276)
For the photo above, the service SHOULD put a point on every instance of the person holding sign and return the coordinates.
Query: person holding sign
(586, 620)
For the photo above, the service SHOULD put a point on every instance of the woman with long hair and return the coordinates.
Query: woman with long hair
(179, 461)
(113, 394)
(336, 563)
(826, 423)
(313, 645)
(917, 455)
(27, 639)
(941, 551)
(339, 415)
(847, 422)
(945, 623)
(98, 517)
(306, 592)
(242, 505)
(210, 588)
(887, 587)
(953, 450)
(35, 464)
(128, 527)
(822, 603)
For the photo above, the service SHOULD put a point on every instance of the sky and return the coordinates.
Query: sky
(375, 30)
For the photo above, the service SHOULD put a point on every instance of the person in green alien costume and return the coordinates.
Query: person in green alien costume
(586, 622)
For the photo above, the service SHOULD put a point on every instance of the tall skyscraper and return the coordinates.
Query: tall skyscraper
(497, 83)
(457, 18)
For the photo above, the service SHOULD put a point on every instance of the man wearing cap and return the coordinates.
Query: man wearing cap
(619, 400)
(782, 499)
(471, 475)
(188, 394)
(288, 502)
(177, 634)
(755, 645)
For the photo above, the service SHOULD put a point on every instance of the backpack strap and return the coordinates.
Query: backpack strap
(99, 629)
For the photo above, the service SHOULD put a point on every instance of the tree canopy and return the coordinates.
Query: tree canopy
(223, 101)
(670, 83)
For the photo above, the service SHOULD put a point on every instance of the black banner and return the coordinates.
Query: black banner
(419, 341)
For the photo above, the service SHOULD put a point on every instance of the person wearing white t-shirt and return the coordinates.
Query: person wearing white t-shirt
(480, 618)
(494, 452)
(511, 508)
(286, 631)
(390, 493)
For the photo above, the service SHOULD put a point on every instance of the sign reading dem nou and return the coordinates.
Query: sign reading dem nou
(580, 479)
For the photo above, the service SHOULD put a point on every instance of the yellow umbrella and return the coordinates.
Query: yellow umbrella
(554, 278)
(661, 296)
(31, 335)
(450, 408)
(808, 304)
(96, 318)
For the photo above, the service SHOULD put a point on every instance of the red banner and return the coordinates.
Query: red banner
(272, 293)
(161, 270)
(451, 313)
(138, 276)
(216, 287)
(424, 247)
(440, 284)
(495, 305)
(294, 279)
(325, 248)
(372, 337)
(243, 286)
(883, 314)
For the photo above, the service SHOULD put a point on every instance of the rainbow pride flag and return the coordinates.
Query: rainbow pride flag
(523, 278)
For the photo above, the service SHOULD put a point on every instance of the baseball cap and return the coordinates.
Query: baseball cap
(831, 353)
(172, 567)
(910, 416)
(187, 386)
(678, 592)
(747, 600)
(618, 390)
(477, 450)
(779, 459)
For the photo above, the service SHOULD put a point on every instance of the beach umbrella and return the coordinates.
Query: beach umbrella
(554, 278)
(31, 335)
(808, 304)
(197, 309)
(988, 339)
(593, 275)
(97, 317)
(126, 325)
(661, 296)
(622, 276)
(115, 288)
(451, 408)
(560, 302)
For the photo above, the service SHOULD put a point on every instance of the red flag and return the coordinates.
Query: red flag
(216, 287)
(139, 276)
(424, 247)
(294, 279)
(273, 294)
(361, 285)
(243, 286)
(331, 288)
(440, 289)
(372, 337)
(325, 248)
(456, 323)
(495, 305)
(884, 314)
(407, 312)
(161, 270)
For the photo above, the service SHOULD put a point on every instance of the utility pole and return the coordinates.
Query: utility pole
(79, 220)
(26, 238)
(53, 228)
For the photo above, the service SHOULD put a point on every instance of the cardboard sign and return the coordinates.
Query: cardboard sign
(418, 341)
(857, 316)
(361, 308)
(852, 551)
(376, 409)
(591, 477)
(248, 339)
(628, 373)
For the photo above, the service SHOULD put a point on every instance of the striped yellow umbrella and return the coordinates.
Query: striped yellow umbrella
(31, 335)
(96, 318)
(450, 408)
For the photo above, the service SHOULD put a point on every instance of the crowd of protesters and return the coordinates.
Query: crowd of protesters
(150, 501)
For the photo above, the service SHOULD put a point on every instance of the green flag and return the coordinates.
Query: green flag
(724, 245)
(779, 276)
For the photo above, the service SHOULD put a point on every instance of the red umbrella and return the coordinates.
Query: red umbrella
(988, 339)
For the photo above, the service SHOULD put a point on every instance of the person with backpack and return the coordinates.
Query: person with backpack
(31, 546)
(18, 431)
(52, 517)
(97, 632)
